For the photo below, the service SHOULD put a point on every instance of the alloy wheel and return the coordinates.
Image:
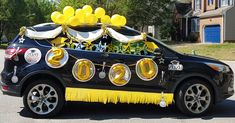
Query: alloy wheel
(197, 98)
(42, 99)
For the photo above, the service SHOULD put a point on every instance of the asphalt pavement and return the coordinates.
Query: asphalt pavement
(12, 111)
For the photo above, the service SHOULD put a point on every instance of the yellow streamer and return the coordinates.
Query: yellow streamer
(22, 31)
(114, 96)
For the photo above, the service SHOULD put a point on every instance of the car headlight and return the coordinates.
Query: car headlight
(218, 67)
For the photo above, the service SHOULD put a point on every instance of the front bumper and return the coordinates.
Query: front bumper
(226, 86)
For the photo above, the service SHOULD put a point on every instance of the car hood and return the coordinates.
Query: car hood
(203, 59)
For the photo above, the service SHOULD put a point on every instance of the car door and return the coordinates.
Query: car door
(136, 83)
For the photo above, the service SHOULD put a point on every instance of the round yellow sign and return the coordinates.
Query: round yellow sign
(119, 74)
(83, 70)
(146, 69)
(56, 57)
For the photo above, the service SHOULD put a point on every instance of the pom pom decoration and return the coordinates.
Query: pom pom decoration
(84, 16)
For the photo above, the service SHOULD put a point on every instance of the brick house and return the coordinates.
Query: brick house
(216, 20)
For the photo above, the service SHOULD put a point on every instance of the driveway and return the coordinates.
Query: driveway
(12, 111)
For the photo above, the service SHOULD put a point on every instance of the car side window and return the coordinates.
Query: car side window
(137, 48)
(106, 43)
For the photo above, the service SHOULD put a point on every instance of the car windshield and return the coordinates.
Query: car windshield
(151, 38)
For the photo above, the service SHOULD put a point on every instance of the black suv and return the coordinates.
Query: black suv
(47, 73)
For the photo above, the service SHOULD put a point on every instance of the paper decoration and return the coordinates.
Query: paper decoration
(56, 57)
(119, 74)
(146, 69)
(83, 70)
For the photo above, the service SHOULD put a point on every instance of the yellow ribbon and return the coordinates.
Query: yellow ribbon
(22, 31)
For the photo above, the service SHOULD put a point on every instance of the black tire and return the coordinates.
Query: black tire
(184, 97)
(49, 86)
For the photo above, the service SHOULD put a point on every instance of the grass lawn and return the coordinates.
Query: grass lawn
(224, 51)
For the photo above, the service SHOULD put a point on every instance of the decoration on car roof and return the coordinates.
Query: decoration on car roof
(86, 16)
(84, 36)
(86, 40)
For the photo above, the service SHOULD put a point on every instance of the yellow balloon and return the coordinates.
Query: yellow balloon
(95, 20)
(73, 21)
(82, 20)
(123, 21)
(106, 19)
(68, 11)
(115, 20)
(54, 15)
(99, 12)
(79, 13)
(60, 18)
(90, 19)
(87, 9)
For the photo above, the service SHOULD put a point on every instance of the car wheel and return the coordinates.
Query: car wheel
(194, 97)
(43, 98)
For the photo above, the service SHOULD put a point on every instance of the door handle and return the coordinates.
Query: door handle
(105, 55)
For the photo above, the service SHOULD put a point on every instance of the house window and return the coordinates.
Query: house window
(195, 24)
(225, 3)
(197, 4)
(210, 2)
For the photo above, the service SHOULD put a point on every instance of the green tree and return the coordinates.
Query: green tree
(11, 16)
(111, 6)
(17, 13)
(142, 13)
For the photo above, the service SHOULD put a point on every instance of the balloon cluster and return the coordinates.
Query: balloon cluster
(85, 16)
